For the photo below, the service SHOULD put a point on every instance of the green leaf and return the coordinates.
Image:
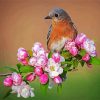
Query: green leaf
(44, 87)
(26, 69)
(59, 88)
(50, 54)
(82, 63)
(66, 62)
(82, 52)
(11, 69)
(95, 61)
(19, 66)
(75, 63)
(65, 54)
(7, 94)
(63, 75)
(30, 53)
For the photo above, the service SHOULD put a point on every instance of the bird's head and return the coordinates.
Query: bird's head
(58, 14)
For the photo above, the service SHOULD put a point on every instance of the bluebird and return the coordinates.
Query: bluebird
(61, 29)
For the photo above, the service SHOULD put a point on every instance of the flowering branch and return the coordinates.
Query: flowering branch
(5, 74)
(50, 67)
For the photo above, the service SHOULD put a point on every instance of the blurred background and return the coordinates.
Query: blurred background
(22, 23)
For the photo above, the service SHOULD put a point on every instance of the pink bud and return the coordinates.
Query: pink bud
(8, 81)
(22, 54)
(24, 62)
(38, 71)
(57, 80)
(44, 78)
(73, 51)
(80, 38)
(30, 77)
(17, 78)
(56, 57)
(89, 65)
(86, 57)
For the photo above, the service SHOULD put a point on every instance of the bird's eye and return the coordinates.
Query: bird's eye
(56, 15)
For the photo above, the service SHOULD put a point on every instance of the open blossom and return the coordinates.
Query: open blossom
(36, 47)
(80, 38)
(38, 71)
(73, 51)
(8, 81)
(41, 61)
(23, 90)
(44, 78)
(57, 58)
(22, 54)
(57, 80)
(69, 45)
(89, 46)
(30, 77)
(32, 61)
(53, 68)
(86, 57)
(17, 78)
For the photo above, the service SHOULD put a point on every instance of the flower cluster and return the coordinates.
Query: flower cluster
(49, 67)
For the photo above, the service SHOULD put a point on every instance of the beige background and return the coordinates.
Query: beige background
(22, 23)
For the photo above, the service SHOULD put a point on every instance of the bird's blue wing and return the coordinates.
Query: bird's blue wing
(48, 35)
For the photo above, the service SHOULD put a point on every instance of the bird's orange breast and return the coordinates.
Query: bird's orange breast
(59, 30)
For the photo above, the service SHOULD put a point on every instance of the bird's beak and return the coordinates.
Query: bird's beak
(47, 17)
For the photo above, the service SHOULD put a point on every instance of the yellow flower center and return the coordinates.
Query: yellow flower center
(52, 68)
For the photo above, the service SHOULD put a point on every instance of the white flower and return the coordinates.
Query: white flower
(23, 90)
(53, 68)
(89, 46)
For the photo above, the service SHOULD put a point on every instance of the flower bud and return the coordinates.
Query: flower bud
(8, 81)
(86, 57)
(38, 71)
(22, 54)
(57, 80)
(44, 78)
(73, 51)
(30, 77)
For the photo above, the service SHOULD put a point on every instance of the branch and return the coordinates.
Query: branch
(5, 74)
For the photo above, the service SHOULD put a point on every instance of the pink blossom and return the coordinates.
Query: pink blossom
(57, 80)
(38, 71)
(69, 45)
(41, 61)
(17, 78)
(44, 78)
(86, 57)
(73, 51)
(89, 46)
(23, 90)
(22, 54)
(80, 38)
(41, 52)
(32, 61)
(30, 77)
(8, 81)
(56, 57)
(36, 47)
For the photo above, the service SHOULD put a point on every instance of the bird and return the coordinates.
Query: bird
(61, 30)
